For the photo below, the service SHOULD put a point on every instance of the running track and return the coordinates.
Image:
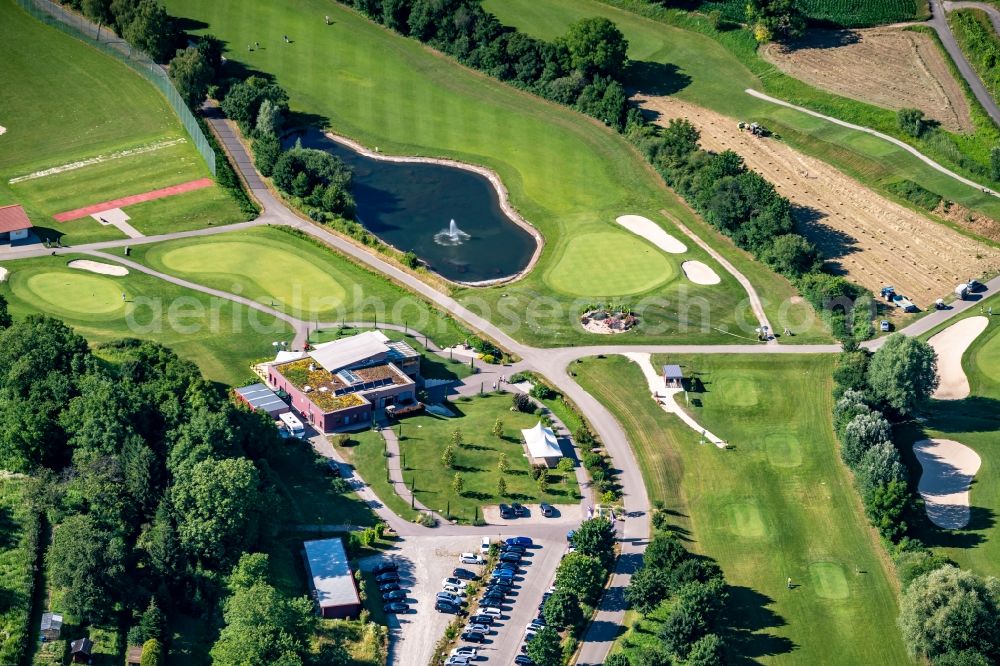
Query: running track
(173, 190)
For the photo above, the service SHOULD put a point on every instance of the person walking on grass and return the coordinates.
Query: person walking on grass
(789, 584)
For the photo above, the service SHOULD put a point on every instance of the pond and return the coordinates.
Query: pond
(450, 217)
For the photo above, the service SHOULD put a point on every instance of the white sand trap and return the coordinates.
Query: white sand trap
(949, 468)
(950, 345)
(98, 267)
(652, 232)
(700, 273)
(3, 273)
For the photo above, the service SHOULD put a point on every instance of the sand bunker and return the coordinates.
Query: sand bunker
(950, 345)
(700, 273)
(3, 274)
(652, 232)
(949, 468)
(98, 267)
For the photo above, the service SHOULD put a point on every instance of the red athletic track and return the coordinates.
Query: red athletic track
(134, 199)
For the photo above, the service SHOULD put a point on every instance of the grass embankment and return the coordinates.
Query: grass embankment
(566, 174)
(299, 277)
(65, 102)
(680, 53)
(366, 452)
(220, 336)
(778, 505)
(16, 571)
(975, 422)
(980, 43)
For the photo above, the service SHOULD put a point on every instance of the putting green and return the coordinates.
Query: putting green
(288, 278)
(609, 263)
(745, 519)
(738, 391)
(783, 450)
(829, 581)
(987, 356)
(72, 292)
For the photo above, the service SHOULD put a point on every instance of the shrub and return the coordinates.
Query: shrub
(862, 433)
(911, 121)
(152, 653)
(542, 392)
(522, 403)
(916, 194)
(266, 150)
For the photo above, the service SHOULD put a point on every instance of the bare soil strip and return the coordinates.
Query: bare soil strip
(888, 67)
(869, 239)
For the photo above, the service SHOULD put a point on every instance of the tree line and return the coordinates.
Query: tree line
(155, 484)
(947, 615)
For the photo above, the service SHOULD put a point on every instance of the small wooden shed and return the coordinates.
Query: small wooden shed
(134, 656)
(51, 626)
(672, 376)
(81, 649)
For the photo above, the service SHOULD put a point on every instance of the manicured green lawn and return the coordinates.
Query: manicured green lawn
(566, 173)
(366, 452)
(425, 438)
(581, 272)
(15, 571)
(302, 278)
(697, 68)
(974, 422)
(64, 102)
(221, 337)
(778, 505)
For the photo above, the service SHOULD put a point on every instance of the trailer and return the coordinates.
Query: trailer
(961, 291)
(898, 300)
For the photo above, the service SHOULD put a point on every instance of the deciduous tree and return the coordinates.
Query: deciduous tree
(903, 373)
(562, 609)
(582, 576)
(191, 75)
(545, 649)
(597, 46)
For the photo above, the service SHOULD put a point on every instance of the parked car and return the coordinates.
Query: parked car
(457, 660)
(459, 591)
(455, 582)
(513, 558)
(388, 587)
(473, 636)
(884, 326)
(533, 627)
(503, 581)
(545, 597)
(470, 558)
(467, 650)
(464, 574)
(520, 541)
(487, 604)
(509, 564)
(513, 549)
(539, 620)
(518, 509)
(395, 595)
(482, 619)
(384, 567)
(498, 596)
(547, 510)
(504, 571)
(493, 612)
(506, 512)
(450, 598)
(387, 577)
(397, 607)
(333, 468)
(445, 607)
(484, 545)
(523, 660)
(481, 628)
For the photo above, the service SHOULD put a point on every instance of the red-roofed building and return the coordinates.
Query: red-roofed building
(14, 223)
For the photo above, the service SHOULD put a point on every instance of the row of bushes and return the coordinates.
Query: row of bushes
(690, 590)
(946, 615)
(580, 580)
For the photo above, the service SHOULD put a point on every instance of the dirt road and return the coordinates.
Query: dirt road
(872, 240)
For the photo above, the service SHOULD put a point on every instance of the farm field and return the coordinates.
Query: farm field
(912, 71)
(778, 505)
(303, 279)
(425, 438)
(66, 103)
(973, 422)
(847, 13)
(563, 171)
(16, 572)
(685, 62)
(221, 337)
(868, 238)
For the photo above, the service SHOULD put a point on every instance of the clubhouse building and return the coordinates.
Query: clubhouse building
(346, 382)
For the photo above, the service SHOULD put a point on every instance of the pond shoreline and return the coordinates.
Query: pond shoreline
(494, 180)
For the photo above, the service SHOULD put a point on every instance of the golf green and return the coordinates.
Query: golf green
(986, 358)
(745, 519)
(73, 292)
(829, 581)
(289, 279)
(609, 263)
(783, 450)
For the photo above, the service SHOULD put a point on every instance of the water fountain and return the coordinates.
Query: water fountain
(451, 236)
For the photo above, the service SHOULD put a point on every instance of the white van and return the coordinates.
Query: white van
(484, 545)
(292, 424)
(493, 612)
